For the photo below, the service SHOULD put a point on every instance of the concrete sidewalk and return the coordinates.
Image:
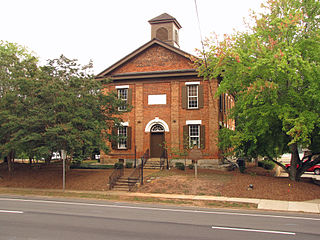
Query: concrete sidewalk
(277, 205)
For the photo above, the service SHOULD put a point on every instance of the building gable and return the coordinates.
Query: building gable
(154, 56)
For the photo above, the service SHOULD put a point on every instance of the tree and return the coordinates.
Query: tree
(76, 111)
(52, 107)
(18, 67)
(273, 72)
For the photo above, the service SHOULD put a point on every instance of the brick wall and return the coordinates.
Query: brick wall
(157, 58)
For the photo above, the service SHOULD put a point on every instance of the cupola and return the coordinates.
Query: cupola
(165, 28)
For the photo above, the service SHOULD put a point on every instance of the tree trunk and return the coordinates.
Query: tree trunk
(10, 167)
(68, 161)
(10, 159)
(47, 160)
(30, 161)
(294, 163)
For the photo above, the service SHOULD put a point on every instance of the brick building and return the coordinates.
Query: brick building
(171, 104)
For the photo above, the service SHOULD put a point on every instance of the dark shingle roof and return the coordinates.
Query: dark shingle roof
(165, 17)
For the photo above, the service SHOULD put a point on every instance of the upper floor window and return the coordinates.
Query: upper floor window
(192, 96)
(123, 95)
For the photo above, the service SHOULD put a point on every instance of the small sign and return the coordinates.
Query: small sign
(157, 99)
(195, 154)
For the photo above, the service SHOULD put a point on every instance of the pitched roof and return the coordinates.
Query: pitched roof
(165, 17)
(138, 51)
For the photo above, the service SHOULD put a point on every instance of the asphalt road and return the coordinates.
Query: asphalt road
(44, 218)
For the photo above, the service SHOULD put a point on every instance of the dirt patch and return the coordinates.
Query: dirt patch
(183, 182)
(233, 184)
(50, 177)
(209, 182)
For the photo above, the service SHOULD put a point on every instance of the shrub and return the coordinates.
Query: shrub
(88, 166)
(129, 164)
(261, 164)
(118, 165)
(266, 164)
(242, 169)
(191, 166)
(76, 163)
(269, 165)
(180, 166)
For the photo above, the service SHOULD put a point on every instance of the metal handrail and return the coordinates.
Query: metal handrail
(136, 174)
(163, 159)
(115, 175)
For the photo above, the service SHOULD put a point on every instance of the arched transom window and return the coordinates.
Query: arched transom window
(157, 128)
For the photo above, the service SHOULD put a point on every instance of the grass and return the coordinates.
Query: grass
(109, 197)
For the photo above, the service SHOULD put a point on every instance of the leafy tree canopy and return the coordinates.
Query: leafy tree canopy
(273, 72)
(52, 107)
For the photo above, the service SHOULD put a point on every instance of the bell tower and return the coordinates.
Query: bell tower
(165, 28)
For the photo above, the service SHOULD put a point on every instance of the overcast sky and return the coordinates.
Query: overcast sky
(106, 31)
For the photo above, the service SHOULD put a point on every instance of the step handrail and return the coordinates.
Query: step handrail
(114, 176)
(136, 174)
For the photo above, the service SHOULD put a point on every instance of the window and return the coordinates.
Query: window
(192, 96)
(157, 128)
(123, 95)
(122, 134)
(194, 135)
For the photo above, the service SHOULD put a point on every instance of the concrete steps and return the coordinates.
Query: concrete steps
(153, 163)
(123, 183)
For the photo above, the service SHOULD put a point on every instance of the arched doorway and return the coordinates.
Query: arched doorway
(156, 140)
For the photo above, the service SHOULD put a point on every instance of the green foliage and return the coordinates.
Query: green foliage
(225, 141)
(52, 107)
(118, 165)
(129, 164)
(90, 166)
(242, 169)
(266, 164)
(273, 73)
(191, 166)
(179, 166)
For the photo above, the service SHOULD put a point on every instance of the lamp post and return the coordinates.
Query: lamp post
(64, 156)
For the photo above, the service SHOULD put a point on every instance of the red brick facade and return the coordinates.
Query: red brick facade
(155, 58)
(160, 69)
(165, 91)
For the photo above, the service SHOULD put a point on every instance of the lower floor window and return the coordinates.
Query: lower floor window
(194, 135)
(122, 134)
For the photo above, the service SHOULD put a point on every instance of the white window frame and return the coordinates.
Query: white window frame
(191, 137)
(189, 97)
(123, 137)
(123, 108)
